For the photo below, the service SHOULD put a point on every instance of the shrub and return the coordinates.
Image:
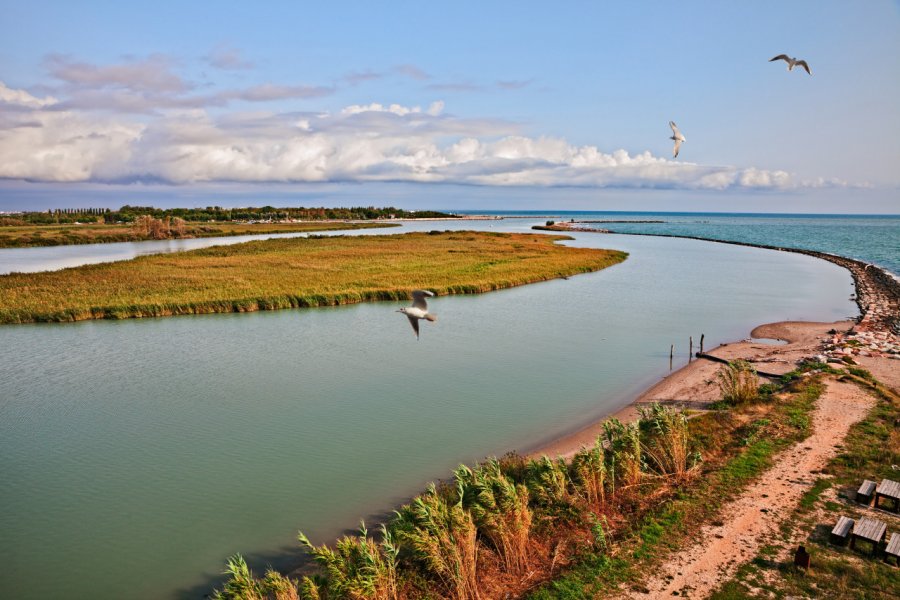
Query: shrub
(738, 382)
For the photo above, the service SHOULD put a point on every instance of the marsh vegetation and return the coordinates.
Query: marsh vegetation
(18, 234)
(294, 272)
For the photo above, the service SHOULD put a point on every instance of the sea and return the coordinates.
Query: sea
(870, 238)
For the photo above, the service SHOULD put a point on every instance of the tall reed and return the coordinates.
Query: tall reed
(667, 441)
(738, 382)
(242, 585)
(589, 475)
(623, 453)
(442, 536)
(358, 567)
(500, 510)
(549, 482)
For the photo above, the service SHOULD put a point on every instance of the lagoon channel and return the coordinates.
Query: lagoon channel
(137, 455)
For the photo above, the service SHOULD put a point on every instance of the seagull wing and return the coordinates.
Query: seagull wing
(781, 57)
(677, 146)
(419, 299)
(803, 64)
(415, 324)
(675, 129)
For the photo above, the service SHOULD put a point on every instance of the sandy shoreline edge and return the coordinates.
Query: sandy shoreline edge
(874, 334)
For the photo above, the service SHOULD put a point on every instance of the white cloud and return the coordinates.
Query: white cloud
(43, 141)
(23, 99)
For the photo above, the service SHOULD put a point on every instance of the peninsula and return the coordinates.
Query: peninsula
(294, 272)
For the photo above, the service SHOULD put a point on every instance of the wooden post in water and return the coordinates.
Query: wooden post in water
(691, 349)
(671, 355)
(702, 335)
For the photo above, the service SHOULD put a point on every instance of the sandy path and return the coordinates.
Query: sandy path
(753, 519)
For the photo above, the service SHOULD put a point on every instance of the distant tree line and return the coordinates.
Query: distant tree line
(128, 214)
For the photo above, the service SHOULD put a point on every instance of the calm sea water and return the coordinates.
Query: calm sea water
(870, 238)
(136, 456)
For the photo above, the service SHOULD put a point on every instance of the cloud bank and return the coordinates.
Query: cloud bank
(135, 123)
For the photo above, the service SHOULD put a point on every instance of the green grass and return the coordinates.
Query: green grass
(294, 272)
(23, 236)
(810, 498)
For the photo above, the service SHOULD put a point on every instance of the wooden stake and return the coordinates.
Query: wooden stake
(702, 335)
(671, 355)
(691, 349)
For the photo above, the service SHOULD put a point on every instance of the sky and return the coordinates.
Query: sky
(502, 105)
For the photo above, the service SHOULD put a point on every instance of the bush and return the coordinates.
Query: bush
(738, 382)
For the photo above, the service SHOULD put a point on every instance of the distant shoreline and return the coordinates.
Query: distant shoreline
(877, 290)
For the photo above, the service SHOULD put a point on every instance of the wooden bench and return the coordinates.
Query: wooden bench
(841, 531)
(866, 492)
(888, 490)
(893, 549)
(868, 530)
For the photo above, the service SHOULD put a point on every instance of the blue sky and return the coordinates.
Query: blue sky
(474, 105)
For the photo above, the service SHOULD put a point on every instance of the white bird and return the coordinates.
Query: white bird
(792, 62)
(676, 135)
(418, 310)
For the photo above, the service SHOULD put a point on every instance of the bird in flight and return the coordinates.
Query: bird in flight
(676, 135)
(418, 310)
(792, 62)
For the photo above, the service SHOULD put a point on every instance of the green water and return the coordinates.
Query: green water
(136, 456)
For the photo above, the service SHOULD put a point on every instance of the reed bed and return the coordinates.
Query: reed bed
(497, 529)
(24, 236)
(293, 273)
(549, 528)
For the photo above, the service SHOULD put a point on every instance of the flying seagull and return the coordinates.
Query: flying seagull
(792, 62)
(676, 135)
(418, 310)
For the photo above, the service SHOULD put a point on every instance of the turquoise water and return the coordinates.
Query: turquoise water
(870, 238)
(136, 456)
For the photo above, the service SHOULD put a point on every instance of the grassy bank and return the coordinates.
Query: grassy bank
(24, 236)
(546, 528)
(293, 272)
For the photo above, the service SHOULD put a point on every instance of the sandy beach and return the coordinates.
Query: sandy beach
(694, 385)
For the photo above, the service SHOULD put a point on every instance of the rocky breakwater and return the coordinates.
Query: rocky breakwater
(877, 331)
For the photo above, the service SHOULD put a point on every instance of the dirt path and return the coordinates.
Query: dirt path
(753, 518)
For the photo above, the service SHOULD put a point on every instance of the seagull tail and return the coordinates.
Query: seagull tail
(431, 317)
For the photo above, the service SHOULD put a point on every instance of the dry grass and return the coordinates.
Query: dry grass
(23, 236)
(738, 382)
(293, 272)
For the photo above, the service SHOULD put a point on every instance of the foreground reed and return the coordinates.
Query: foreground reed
(500, 526)
(292, 273)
